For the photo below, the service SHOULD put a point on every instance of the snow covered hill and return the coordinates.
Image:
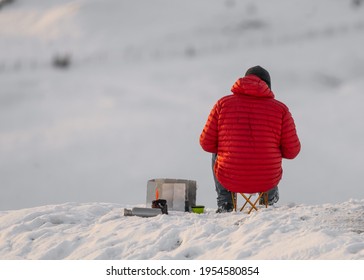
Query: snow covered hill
(130, 105)
(100, 231)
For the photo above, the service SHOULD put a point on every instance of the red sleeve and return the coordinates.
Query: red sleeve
(209, 135)
(290, 143)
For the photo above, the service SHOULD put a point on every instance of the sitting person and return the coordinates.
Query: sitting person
(249, 133)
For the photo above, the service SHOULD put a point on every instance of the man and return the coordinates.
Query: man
(248, 133)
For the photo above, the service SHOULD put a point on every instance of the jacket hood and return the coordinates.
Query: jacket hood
(252, 85)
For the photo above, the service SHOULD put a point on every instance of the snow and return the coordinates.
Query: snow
(100, 231)
(131, 106)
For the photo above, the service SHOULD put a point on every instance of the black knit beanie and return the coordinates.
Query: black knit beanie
(260, 72)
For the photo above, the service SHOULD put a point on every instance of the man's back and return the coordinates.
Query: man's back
(251, 132)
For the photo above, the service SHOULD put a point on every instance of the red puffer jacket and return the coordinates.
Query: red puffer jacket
(251, 132)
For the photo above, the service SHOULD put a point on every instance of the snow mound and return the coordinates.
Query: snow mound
(101, 231)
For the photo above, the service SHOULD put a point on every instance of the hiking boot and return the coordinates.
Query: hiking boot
(225, 208)
(273, 197)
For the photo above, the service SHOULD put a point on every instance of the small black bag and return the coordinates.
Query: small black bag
(161, 204)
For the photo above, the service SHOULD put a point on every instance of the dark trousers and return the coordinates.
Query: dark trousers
(223, 195)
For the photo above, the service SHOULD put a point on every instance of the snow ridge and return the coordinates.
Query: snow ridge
(101, 231)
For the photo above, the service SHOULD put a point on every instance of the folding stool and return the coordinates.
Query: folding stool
(248, 201)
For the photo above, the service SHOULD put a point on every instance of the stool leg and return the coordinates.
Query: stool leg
(255, 203)
(247, 200)
(234, 200)
(266, 199)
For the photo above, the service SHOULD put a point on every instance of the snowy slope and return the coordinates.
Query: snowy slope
(131, 107)
(100, 231)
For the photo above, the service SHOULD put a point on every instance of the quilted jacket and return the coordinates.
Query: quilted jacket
(251, 132)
